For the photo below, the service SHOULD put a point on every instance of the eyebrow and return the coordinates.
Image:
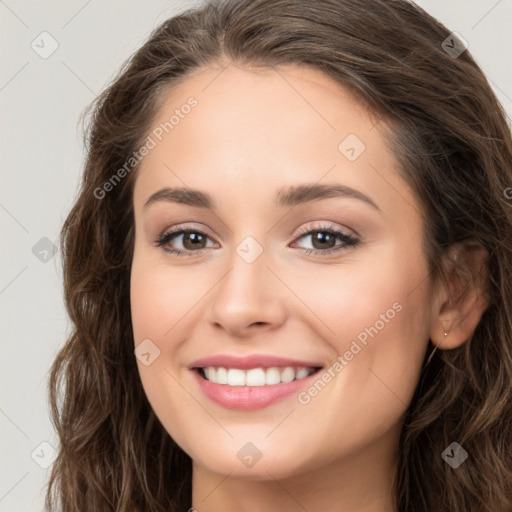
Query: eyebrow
(291, 196)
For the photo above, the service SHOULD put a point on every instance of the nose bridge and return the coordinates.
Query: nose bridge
(246, 295)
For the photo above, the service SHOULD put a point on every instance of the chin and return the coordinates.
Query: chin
(246, 461)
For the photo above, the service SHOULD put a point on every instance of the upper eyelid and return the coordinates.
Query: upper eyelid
(345, 230)
(187, 228)
(322, 224)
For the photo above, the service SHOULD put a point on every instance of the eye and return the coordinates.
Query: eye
(324, 238)
(195, 241)
(191, 239)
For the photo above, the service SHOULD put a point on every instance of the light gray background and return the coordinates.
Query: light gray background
(41, 101)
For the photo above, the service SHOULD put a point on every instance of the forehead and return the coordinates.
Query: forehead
(264, 101)
(253, 128)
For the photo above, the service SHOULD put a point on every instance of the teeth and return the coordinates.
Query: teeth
(301, 373)
(221, 375)
(272, 376)
(288, 374)
(255, 376)
(236, 377)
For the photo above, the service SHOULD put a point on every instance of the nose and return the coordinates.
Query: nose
(248, 299)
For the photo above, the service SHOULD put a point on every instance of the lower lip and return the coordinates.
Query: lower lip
(248, 398)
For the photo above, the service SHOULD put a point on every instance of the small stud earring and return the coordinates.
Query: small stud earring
(446, 334)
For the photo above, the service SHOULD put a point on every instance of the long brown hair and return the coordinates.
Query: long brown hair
(454, 147)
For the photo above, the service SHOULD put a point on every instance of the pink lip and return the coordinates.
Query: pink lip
(248, 398)
(251, 361)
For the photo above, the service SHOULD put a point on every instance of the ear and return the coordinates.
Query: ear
(462, 297)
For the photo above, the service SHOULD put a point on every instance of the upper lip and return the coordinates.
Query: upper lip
(250, 361)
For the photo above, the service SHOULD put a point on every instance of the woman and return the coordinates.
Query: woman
(287, 271)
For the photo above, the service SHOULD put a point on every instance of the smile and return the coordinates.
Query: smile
(255, 376)
(254, 388)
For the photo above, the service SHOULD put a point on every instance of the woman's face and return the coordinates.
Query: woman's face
(276, 265)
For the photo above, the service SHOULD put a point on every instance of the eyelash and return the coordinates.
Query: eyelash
(348, 240)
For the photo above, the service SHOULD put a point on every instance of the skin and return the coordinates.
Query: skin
(253, 132)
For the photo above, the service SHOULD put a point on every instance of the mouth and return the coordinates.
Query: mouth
(251, 381)
(252, 388)
(255, 377)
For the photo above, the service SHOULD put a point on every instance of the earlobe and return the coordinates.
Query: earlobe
(463, 297)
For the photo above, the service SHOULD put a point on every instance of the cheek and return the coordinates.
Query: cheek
(160, 302)
(374, 315)
(161, 298)
(381, 295)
